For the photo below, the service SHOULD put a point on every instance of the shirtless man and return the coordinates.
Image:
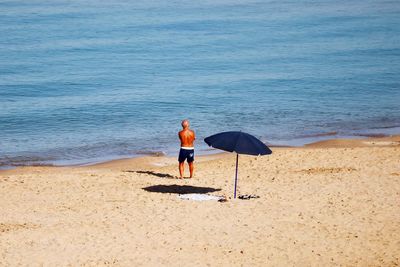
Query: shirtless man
(187, 138)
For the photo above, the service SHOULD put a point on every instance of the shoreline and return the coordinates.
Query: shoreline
(17, 161)
(376, 141)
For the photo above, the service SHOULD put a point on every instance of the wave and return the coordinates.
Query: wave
(151, 153)
(333, 133)
(18, 161)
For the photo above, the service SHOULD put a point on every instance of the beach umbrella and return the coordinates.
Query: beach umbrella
(239, 142)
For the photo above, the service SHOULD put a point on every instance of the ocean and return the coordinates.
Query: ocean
(88, 81)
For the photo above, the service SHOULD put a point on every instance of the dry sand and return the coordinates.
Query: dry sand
(332, 203)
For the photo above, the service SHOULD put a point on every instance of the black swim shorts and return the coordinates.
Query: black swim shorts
(186, 154)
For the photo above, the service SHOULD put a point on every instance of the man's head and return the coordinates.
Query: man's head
(185, 124)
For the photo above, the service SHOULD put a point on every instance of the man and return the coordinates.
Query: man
(187, 138)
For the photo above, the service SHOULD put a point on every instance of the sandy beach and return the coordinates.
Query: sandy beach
(333, 203)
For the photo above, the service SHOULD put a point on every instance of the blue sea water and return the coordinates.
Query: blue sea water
(82, 81)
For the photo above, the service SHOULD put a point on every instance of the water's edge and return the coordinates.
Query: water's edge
(300, 142)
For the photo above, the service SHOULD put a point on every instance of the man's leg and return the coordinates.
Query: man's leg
(191, 168)
(181, 169)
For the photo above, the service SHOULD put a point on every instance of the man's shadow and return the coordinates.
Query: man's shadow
(157, 174)
(180, 189)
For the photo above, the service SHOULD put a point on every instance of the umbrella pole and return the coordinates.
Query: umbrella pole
(236, 175)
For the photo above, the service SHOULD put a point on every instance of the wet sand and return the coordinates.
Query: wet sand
(331, 203)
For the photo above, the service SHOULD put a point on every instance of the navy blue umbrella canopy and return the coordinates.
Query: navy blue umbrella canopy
(239, 142)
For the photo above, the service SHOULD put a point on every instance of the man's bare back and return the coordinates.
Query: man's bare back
(187, 137)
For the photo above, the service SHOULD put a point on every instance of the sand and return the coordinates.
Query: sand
(328, 204)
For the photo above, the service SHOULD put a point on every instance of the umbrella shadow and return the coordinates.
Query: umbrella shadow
(180, 189)
(157, 174)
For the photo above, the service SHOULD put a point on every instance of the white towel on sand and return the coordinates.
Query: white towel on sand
(199, 197)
